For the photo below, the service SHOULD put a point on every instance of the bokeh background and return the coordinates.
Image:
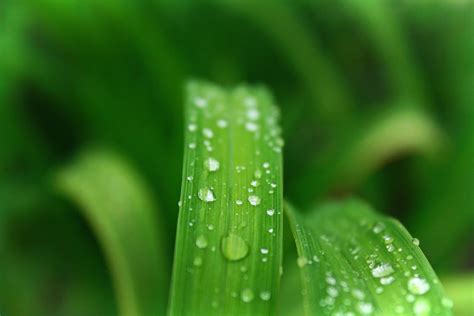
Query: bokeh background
(377, 99)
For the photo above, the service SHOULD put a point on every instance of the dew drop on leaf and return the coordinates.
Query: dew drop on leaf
(270, 212)
(418, 286)
(254, 200)
(382, 270)
(201, 242)
(206, 195)
(265, 295)
(234, 248)
(247, 295)
(211, 164)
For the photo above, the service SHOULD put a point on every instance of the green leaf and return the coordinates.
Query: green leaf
(229, 241)
(121, 211)
(354, 260)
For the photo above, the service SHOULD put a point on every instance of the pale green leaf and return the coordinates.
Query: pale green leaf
(229, 241)
(353, 260)
(120, 209)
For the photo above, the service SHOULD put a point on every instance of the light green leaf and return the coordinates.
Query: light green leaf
(120, 210)
(353, 260)
(229, 240)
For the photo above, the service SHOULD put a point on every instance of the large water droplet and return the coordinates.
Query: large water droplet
(206, 195)
(382, 270)
(201, 242)
(234, 248)
(418, 286)
(254, 200)
(211, 164)
(247, 295)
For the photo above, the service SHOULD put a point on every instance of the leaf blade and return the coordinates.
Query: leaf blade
(120, 209)
(354, 260)
(223, 228)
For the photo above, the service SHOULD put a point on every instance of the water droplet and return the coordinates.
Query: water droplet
(331, 280)
(192, 127)
(206, 195)
(207, 132)
(365, 308)
(211, 164)
(270, 230)
(234, 248)
(201, 242)
(270, 212)
(258, 173)
(446, 302)
(200, 102)
(192, 145)
(332, 291)
(387, 280)
(418, 286)
(222, 123)
(254, 183)
(254, 200)
(266, 165)
(247, 295)
(253, 114)
(358, 294)
(265, 295)
(302, 261)
(382, 270)
(197, 261)
(264, 251)
(422, 307)
(251, 127)
(416, 242)
(378, 227)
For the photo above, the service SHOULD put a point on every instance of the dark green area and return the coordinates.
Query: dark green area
(82, 73)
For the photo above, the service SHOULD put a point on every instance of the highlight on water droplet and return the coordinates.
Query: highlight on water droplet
(234, 248)
(270, 212)
(206, 195)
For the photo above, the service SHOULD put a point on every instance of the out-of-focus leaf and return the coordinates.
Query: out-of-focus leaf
(229, 240)
(399, 131)
(461, 289)
(121, 211)
(353, 260)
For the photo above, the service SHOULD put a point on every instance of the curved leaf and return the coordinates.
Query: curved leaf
(229, 240)
(120, 210)
(356, 262)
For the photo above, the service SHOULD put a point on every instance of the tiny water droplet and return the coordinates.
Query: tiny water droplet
(418, 286)
(387, 280)
(365, 308)
(234, 248)
(201, 242)
(264, 251)
(207, 132)
(200, 102)
(222, 123)
(265, 295)
(239, 202)
(378, 227)
(206, 195)
(192, 127)
(251, 127)
(254, 200)
(302, 261)
(416, 242)
(270, 212)
(422, 307)
(197, 261)
(247, 295)
(382, 270)
(254, 183)
(211, 164)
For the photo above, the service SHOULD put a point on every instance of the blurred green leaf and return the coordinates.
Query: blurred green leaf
(229, 240)
(122, 214)
(354, 260)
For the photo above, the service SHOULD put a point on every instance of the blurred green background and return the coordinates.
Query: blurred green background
(377, 99)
